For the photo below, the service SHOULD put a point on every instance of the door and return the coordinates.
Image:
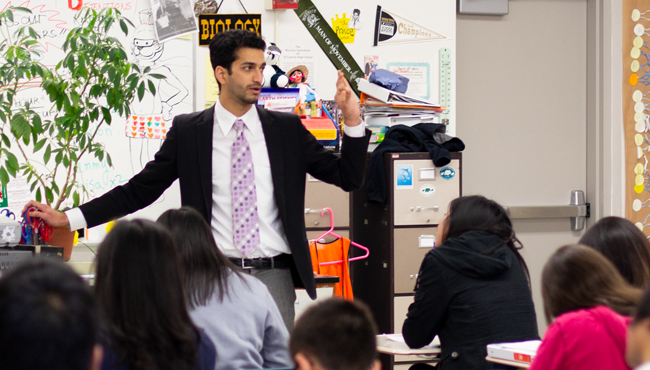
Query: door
(526, 108)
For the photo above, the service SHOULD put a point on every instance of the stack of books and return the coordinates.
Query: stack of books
(384, 108)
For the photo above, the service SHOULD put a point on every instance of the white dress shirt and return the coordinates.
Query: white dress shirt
(273, 240)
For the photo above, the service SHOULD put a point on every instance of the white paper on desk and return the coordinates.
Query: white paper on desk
(399, 338)
(529, 345)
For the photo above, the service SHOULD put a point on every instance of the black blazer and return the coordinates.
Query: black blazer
(186, 155)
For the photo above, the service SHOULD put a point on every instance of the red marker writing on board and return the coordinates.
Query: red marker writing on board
(78, 7)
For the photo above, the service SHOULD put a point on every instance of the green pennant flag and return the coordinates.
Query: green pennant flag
(327, 39)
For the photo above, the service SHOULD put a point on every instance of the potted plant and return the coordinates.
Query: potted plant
(93, 83)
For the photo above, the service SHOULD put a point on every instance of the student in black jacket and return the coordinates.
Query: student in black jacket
(473, 288)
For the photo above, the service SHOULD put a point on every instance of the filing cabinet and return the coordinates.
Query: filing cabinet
(399, 234)
(318, 195)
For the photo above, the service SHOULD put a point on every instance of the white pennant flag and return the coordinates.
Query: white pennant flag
(391, 28)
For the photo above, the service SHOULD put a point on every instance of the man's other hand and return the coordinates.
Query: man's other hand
(46, 213)
(346, 101)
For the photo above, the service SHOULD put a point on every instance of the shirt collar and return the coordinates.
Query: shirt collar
(225, 120)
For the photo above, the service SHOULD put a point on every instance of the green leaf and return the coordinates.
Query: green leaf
(48, 195)
(5, 140)
(55, 188)
(141, 91)
(38, 195)
(107, 115)
(152, 88)
(12, 161)
(123, 27)
(37, 123)
(33, 185)
(4, 176)
(10, 16)
(66, 161)
(48, 153)
(58, 157)
(109, 161)
(75, 198)
(39, 145)
(158, 76)
(19, 126)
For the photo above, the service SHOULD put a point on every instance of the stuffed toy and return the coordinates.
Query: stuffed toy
(298, 77)
(273, 75)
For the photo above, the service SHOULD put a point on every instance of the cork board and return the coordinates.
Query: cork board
(636, 111)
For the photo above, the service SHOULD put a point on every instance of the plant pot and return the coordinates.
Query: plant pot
(62, 237)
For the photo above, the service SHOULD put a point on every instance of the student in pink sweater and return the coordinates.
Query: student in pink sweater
(588, 302)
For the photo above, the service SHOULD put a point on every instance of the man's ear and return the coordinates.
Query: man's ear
(376, 365)
(220, 74)
(97, 357)
(303, 362)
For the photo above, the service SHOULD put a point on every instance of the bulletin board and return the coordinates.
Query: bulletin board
(636, 114)
(129, 148)
(416, 57)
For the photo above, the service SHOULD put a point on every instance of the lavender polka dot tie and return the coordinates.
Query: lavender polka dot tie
(246, 230)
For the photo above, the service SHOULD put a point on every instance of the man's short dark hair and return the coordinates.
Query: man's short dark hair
(339, 334)
(356, 11)
(224, 46)
(47, 318)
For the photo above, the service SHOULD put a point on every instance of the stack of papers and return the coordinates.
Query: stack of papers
(516, 351)
(394, 344)
(383, 107)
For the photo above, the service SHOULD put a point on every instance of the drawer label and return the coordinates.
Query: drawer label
(427, 190)
(447, 173)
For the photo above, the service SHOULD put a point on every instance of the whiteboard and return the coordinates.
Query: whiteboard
(53, 19)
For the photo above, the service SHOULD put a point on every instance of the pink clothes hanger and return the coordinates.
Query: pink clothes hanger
(331, 232)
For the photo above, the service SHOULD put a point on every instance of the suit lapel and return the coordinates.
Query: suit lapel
(204, 146)
(273, 137)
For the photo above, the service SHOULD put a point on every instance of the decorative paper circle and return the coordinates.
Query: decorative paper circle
(637, 95)
(636, 15)
(638, 169)
(638, 29)
(639, 107)
(639, 126)
(639, 225)
(638, 139)
(636, 205)
(638, 42)
(635, 65)
(635, 53)
(638, 180)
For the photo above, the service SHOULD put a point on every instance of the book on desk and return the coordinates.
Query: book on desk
(515, 353)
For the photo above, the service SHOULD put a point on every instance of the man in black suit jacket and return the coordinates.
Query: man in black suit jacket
(191, 152)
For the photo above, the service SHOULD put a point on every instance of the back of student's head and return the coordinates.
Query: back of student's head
(577, 277)
(477, 213)
(623, 244)
(140, 298)
(47, 318)
(205, 267)
(335, 334)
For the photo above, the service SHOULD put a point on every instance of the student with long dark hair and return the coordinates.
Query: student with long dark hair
(142, 312)
(234, 308)
(623, 244)
(587, 304)
(473, 288)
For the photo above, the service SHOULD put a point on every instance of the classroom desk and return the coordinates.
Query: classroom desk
(520, 365)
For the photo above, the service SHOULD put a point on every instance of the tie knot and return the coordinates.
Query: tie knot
(239, 125)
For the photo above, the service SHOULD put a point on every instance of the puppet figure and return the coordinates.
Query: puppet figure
(273, 75)
(298, 77)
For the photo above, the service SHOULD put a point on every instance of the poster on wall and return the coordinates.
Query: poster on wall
(636, 115)
(212, 24)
